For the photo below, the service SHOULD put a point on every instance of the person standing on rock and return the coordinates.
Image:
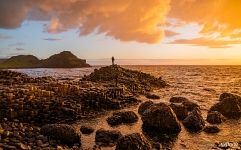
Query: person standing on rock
(113, 60)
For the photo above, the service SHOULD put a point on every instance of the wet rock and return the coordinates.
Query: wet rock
(122, 117)
(65, 133)
(180, 110)
(229, 105)
(86, 130)
(215, 117)
(127, 116)
(135, 141)
(194, 121)
(114, 120)
(152, 96)
(160, 117)
(178, 99)
(107, 137)
(144, 106)
(228, 96)
(185, 102)
(211, 129)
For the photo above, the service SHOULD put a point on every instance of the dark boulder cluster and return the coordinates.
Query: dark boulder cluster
(125, 117)
(165, 118)
(134, 81)
(182, 107)
(229, 105)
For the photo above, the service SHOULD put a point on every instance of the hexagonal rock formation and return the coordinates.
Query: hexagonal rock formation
(134, 81)
(134, 141)
(63, 132)
(160, 117)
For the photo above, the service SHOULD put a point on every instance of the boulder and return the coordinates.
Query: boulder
(114, 120)
(211, 129)
(144, 106)
(134, 141)
(160, 117)
(215, 117)
(185, 102)
(194, 121)
(86, 130)
(152, 96)
(180, 110)
(122, 117)
(63, 132)
(107, 137)
(127, 116)
(226, 95)
(229, 105)
(178, 99)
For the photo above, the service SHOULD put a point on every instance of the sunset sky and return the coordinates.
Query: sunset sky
(161, 31)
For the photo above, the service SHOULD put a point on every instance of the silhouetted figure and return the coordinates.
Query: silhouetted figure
(113, 60)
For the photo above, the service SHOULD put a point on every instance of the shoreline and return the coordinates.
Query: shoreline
(43, 83)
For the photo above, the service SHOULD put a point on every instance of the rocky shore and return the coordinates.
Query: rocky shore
(39, 113)
(27, 104)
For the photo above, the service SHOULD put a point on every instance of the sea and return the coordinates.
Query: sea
(201, 84)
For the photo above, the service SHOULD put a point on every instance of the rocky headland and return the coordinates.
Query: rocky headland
(64, 59)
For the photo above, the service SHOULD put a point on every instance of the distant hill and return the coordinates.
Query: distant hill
(21, 61)
(2, 60)
(64, 59)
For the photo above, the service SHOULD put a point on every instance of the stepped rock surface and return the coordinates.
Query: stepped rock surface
(134, 81)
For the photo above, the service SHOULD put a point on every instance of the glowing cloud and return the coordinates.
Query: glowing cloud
(129, 20)
(211, 43)
(125, 20)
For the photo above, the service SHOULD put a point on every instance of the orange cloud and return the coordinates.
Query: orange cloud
(211, 43)
(170, 33)
(128, 20)
(217, 17)
(125, 20)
